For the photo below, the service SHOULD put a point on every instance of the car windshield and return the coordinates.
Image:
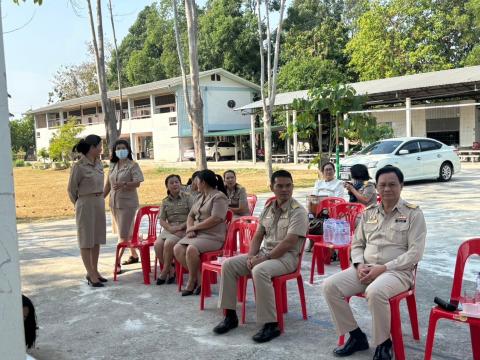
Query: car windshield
(380, 147)
(209, 144)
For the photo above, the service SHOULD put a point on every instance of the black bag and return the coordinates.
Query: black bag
(315, 226)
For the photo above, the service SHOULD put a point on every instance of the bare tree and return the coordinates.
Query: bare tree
(269, 92)
(119, 69)
(194, 105)
(107, 104)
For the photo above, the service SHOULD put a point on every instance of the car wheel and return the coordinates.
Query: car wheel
(446, 172)
(217, 156)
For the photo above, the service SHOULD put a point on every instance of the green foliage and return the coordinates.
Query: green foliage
(63, 141)
(43, 153)
(22, 133)
(39, 2)
(399, 37)
(363, 128)
(19, 163)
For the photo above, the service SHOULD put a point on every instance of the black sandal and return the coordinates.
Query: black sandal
(131, 260)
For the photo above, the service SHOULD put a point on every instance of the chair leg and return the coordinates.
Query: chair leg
(321, 256)
(432, 324)
(117, 262)
(344, 260)
(202, 292)
(279, 304)
(475, 336)
(284, 297)
(314, 262)
(145, 259)
(326, 256)
(301, 292)
(412, 311)
(341, 340)
(244, 296)
(213, 277)
(396, 331)
(208, 278)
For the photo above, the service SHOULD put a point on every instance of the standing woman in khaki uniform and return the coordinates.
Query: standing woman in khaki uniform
(236, 194)
(85, 189)
(173, 219)
(205, 227)
(123, 180)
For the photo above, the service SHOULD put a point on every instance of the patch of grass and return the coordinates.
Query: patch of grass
(42, 194)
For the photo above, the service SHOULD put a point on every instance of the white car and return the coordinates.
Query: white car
(223, 149)
(419, 158)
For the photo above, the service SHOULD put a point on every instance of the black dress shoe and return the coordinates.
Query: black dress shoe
(267, 333)
(187, 292)
(131, 260)
(93, 284)
(171, 279)
(102, 279)
(161, 281)
(227, 324)
(354, 344)
(197, 290)
(383, 352)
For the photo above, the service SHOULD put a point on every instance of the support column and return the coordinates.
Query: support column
(236, 149)
(288, 137)
(130, 106)
(346, 146)
(408, 116)
(152, 105)
(252, 139)
(295, 139)
(12, 340)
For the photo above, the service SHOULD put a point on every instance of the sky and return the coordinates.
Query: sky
(38, 40)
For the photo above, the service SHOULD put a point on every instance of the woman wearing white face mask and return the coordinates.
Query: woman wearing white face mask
(123, 180)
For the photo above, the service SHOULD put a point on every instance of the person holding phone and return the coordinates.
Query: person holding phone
(361, 190)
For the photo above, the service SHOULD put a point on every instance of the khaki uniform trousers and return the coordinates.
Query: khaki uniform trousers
(262, 275)
(378, 293)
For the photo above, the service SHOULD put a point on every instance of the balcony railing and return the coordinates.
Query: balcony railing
(164, 109)
(139, 112)
(54, 123)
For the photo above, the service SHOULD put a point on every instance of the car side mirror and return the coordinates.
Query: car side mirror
(403, 152)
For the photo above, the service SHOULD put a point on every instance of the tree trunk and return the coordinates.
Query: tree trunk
(107, 108)
(194, 106)
(119, 80)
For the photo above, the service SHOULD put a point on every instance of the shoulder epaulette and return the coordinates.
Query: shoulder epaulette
(411, 206)
(371, 206)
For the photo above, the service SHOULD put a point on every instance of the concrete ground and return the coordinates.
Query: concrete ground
(128, 320)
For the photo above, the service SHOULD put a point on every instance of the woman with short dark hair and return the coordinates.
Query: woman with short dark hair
(205, 227)
(85, 189)
(123, 180)
(361, 190)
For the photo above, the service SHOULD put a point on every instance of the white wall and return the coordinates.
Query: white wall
(467, 124)
(165, 138)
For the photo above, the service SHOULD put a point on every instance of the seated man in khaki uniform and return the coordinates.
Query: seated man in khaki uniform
(282, 228)
(388, 243)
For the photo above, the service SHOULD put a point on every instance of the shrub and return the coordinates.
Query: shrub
(19, 163)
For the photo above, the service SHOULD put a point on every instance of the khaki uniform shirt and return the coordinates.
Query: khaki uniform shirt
(368, 190)
(277, 222)
(85, 178)
(175, 210)
(396, 240)
(124, 198)
(237, 197)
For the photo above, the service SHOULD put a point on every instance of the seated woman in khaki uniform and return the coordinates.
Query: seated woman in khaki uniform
(173, 219)
(205, 227)
(191, 187)
(85, 189)
(236, 194)
(123, 180)
(361, 190)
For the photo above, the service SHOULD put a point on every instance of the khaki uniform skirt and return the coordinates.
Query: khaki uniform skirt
(168, 236)
(124, 220)
(91, 222)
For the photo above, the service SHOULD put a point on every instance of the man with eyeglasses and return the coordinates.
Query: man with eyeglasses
(388, 243)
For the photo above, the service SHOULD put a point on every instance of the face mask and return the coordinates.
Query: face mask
(121, 154)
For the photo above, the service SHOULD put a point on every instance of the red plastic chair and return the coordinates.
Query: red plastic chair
(280, 288)
(396, 320)
(143, 245)
(321, 249)
(207, 256)
(243, 229)
(466, 249)
(329, 203)
(252, 201)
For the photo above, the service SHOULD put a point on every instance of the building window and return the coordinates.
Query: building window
(90, 121)
(215, 77)
(231, 104)
(172, 121)
(218, 78)
(38, 134)
(212, 77)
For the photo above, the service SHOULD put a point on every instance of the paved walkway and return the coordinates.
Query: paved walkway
(128, 320)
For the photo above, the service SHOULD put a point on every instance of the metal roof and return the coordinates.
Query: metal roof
(156, 86)
(437, 84)
(238, 132)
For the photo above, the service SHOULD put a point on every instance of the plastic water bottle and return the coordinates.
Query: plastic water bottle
(342, 232)
(477, 289)
(328, 226)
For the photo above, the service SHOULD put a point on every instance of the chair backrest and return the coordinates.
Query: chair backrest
(151, 212)
(379, 199)
(466, 249)
(329, 203)
(239, 235)
(252, 201)
(349, 212)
